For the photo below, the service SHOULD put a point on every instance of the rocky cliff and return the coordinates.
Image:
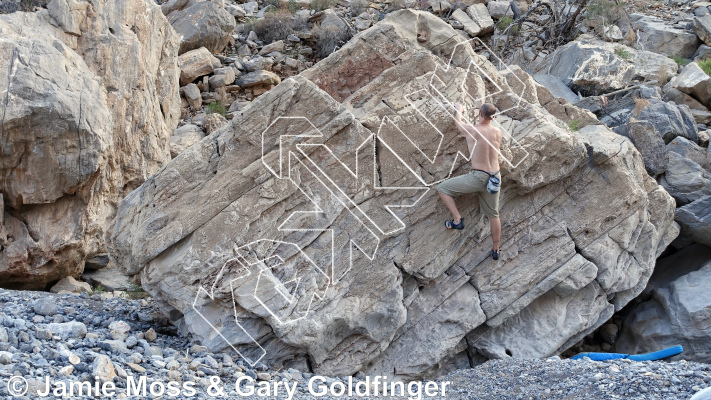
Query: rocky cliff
(309, 223)
(89, 100)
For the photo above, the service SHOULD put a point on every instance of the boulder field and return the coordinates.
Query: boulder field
(307, 232)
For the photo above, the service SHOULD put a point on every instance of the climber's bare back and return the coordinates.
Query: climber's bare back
(486, 142)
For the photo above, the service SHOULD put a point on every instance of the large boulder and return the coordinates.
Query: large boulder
(468, 24)
(91, 96)
(556, 87)
(702, 27)
(676, 265)
(592, 66)
(677, 314)
(480, 15)
(670, 120)
(382, 286)
(656, 36)
(650, 144)
(203, 24)
(690, 150)
(685, 180)
(196, 63)
(693, 81)
(695, 220)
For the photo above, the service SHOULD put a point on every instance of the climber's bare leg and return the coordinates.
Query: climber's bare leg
(451, 206)
(495, 232)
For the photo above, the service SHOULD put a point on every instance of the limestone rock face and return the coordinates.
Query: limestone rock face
(89, 107)
(327, 179)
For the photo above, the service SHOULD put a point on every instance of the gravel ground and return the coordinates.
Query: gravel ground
(75, 338)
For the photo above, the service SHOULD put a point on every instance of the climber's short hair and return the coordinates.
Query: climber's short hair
(487, 110)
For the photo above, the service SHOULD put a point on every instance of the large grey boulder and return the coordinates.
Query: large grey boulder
(592, 66)
(656, 36)
(498, 9)
(556, 87)
(203, 24)
(587, 66)
(676, 265)
(480, 14)
(703, 53)
(690, 150)
(693, 81)
(258, 78)
(702, 27)
(650, 144)
(90, 98)
(695, 220)
(582, 220)
(676, 315)
(469, 26)
(670, 120)
(679, 97)
(685, 180)
(196, 63)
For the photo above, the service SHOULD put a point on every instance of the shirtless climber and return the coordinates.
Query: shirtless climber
(484, 179)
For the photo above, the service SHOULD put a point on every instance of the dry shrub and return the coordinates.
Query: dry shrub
(639, 104)
(320, 5)
(327, 39)
(357, 7)
(274, 26)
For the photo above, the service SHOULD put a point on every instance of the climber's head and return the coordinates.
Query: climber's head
(486, 113)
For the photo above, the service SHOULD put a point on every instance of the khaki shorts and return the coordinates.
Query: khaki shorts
(473, 182)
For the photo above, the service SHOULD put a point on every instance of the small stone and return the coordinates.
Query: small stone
(197, 349)
(5, 357)
(154, 351)
(136, 367)
(45, 306)
(263, 376)
(119, 330)
(103, 369)
(43, 334)
(131, 341)
(114, 346)
(66, 330)
(73, 359)
(120, 372)
(211, 362)
(150, 335)
(66, 371)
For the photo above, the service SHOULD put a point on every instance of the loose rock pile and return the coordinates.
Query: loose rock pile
(73, 338)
